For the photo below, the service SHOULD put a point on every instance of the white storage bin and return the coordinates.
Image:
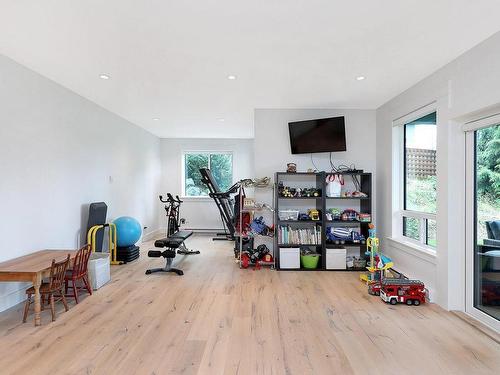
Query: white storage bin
(289, 257)
(336, 259)
(288, 214)
(99, 269)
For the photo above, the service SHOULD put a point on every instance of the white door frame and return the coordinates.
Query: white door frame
(470, 180)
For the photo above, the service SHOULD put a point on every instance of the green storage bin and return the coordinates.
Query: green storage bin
(310, 261)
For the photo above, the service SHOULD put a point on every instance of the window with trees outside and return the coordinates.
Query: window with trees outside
(219, 163)
(419, 187)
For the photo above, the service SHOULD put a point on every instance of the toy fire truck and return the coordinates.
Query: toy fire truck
(411, 292)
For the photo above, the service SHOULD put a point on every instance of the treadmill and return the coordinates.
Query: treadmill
(225, 203)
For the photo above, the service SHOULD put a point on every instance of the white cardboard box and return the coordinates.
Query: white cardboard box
(99, 269)
(336, 259)
(289, 257)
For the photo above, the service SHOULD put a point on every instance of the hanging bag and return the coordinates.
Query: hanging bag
(334, 184)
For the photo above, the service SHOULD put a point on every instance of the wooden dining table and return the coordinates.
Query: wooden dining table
(33, 268)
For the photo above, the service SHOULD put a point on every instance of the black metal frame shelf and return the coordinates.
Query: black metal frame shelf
(322, 203)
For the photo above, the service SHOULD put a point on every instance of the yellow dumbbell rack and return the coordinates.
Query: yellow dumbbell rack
(112, 242)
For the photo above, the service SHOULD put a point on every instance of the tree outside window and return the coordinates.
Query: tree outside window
(220, 164)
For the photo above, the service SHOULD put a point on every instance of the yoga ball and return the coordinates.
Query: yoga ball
(128, 231)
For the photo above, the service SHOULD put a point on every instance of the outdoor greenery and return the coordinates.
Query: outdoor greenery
(487, 177)
(221, 166)
(421, 192)
(421, 196)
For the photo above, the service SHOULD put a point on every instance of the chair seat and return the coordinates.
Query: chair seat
(70, 276)
(44, 288)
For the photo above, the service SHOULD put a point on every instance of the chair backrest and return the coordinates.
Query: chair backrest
(57, 273)
(493, 229)
(81, 261)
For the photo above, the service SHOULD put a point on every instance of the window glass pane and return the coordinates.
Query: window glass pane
(487, 222)
(193, 185)
(420, 164)
(411, 228)
(431, 233)
(221, 166)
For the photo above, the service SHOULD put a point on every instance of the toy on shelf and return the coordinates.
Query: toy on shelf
(364, 218)
(349, 215)
(257, 257)
(341, 236)
(259, 227)
(291, 168)
(304, 217)
(290, 192)
(354, 194)
(333, 214)
(313, 214)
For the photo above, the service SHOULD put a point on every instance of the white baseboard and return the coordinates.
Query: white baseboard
(15, 294)
(153, 234)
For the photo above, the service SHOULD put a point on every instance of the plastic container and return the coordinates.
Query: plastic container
(289, 257)
(336, 259)
(288, 214)
(99, 269)
(310, 261)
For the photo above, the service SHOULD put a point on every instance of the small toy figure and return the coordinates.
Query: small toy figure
(349, 215)
(291, 168)
(304, 217)
(313, 214)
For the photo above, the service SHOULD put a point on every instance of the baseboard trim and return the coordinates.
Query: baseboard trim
(492, 334)
(14, 297)
(153, 234)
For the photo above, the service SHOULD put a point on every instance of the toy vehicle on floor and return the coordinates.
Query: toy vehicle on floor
(410, 292)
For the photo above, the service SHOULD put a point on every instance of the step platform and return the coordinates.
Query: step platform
(127, 254)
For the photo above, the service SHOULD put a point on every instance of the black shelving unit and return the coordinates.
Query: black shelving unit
(322, 203)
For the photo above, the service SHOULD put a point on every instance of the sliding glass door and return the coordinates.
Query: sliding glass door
(484, 229)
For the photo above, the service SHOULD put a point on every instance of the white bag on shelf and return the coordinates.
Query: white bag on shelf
(334, 184)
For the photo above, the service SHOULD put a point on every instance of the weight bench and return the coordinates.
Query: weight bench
(182, 235)
(171, 245)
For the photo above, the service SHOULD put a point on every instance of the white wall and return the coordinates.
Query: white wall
(201, 213)
(462, 89)
(272, 140)
(58, 153)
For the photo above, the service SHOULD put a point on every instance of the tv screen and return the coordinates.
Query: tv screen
(322, 135)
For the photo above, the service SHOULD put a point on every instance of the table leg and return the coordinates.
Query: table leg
(36, 284)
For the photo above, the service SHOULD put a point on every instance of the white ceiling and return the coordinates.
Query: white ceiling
(171, 59)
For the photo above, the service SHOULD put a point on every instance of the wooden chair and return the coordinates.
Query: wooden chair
(54, 287)
(79, 272)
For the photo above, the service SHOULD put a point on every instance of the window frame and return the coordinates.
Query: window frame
(183, 170)
(399, 183)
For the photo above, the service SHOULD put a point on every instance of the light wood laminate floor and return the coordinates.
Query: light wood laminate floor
(218, 319)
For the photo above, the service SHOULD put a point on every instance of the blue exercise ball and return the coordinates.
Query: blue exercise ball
(128, 231)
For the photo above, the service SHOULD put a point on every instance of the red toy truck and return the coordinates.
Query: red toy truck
(411, 292)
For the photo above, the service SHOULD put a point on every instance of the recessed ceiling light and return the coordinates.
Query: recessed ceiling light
(156, 119)
(104, 76)
(360, 78)
(231, 77)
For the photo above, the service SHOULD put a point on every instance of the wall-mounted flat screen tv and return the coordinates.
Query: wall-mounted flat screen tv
(321, 135)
